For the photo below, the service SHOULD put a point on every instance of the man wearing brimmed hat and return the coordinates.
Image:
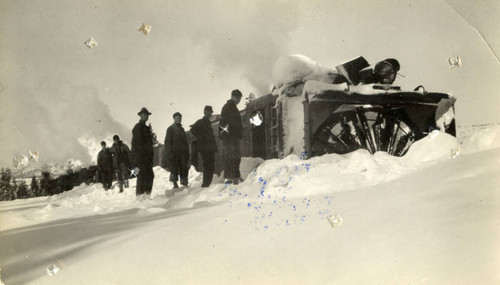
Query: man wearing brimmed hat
(205, 144)
(177, 151)
(231, 132)
(142, 149)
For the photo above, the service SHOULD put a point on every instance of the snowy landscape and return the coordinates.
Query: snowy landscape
(430, 217)
(349, 177)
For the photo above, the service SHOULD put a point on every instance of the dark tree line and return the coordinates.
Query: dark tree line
(11, 189)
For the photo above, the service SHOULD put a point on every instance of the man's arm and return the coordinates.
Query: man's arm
(195, 129)
(129, 155)
(224, 111)
(168, 140)
(99, 159)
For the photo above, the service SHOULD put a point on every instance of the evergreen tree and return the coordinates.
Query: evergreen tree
(44, 182)
(13, 192)
(35, 187)
(22, 190)
(70, 170)
(153, 136)
(5, 187)
(70, 167)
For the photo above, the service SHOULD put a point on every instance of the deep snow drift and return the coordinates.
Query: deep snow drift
(431, 217)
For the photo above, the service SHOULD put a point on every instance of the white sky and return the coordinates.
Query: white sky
(55, 89)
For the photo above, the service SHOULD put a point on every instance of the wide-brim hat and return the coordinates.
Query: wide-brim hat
(144, 111)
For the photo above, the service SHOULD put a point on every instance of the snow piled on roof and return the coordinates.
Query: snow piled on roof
(297, 67)
(313, 87)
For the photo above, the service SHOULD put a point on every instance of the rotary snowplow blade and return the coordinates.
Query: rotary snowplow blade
(342, 122)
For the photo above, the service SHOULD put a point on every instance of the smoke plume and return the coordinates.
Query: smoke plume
(51, 102)
(52, 122)
(246, 37)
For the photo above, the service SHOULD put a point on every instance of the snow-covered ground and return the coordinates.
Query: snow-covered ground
(431, 217)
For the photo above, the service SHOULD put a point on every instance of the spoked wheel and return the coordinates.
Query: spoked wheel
(371, 128)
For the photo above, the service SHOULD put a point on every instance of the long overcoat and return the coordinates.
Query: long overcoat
(176, 145)
(142, 145)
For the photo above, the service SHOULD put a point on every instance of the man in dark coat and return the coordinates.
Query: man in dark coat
(142, 149)
(206, 145)
(105, 164)
(177, 151)
(231, 132)
(121, 161)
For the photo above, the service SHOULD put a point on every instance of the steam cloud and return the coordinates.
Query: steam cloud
(52, 122)
(244, 37)
(54, 115)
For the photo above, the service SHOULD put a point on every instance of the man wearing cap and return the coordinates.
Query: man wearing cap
(206, 145)
(121, 161)
(231, 132)
(105, 164)
(177, 151)
(142, 149)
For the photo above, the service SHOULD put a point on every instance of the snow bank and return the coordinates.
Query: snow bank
(485, 139)
(274, 180)
(436, 225)
(92, 199)
(295, 177)
(437, 145)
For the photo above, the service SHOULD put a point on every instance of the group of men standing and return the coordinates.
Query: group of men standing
(119, 159)
(114, 160)
(176, 150)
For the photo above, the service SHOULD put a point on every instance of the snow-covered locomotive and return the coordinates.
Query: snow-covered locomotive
(316, 110)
